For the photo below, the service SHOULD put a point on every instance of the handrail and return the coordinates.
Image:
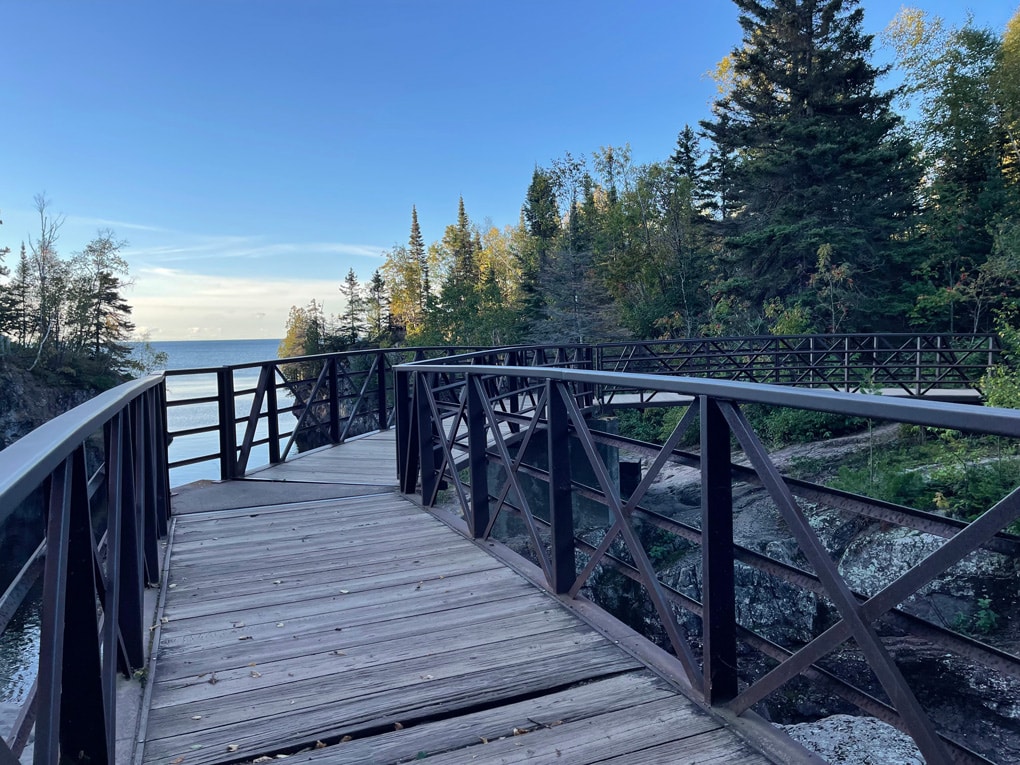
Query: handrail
(72, 703)
(346, 399)
(466, 426)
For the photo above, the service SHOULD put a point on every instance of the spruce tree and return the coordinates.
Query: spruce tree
(812, 156)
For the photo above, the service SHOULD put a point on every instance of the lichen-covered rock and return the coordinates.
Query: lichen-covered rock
(878, 556)
(849, 740)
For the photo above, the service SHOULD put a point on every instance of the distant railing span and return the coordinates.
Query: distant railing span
(915, 364)
(485, 432)
(96, 479)
(257, 414)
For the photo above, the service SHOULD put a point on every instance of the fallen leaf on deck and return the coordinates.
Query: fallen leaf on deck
(279, 624)
(345, 592)
(213, 680)
(345, 739)
(520, 731)
(319, 745)
(256, 674)
(196, 717)
(178, 761)
(277, 581)
(397, 726)
(484, 740)
(426, 677)
(245, 637)
(171, 586)
(232, 747)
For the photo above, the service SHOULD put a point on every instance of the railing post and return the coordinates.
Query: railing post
(561, 509)
(228, 430)
(334, 401)
(380, 393)
(407, 442)
(718, 602)
(425, 444)
(478, 466)
(273, 418)
(917, 367)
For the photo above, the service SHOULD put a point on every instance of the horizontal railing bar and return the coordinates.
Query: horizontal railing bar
(1004, 422)
(38, 453)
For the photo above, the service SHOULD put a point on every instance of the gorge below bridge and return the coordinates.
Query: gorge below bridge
(425, 579)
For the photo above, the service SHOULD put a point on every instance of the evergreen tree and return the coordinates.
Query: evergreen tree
(808, 155)
(352, 323)
(459, 298)
(540, 218)
(377, 307)
(416, 245)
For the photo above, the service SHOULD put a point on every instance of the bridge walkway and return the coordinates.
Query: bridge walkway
(313, 611)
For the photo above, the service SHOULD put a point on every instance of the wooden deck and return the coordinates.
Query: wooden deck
(326, 617)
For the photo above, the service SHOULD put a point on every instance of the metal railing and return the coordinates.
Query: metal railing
(252, 415)
(96, 479)
(483, 431)
(286, 405)
(913, 363)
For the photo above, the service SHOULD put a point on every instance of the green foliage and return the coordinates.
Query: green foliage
(984, 621)
(935, 470)
(780, 426)
(808, 159)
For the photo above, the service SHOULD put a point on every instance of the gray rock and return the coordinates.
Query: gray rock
(849, 740)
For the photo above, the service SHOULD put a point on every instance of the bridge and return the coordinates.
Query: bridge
(422, 580)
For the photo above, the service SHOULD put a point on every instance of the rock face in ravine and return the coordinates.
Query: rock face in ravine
(26, 402)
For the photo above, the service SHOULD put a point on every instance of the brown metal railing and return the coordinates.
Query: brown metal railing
(481, 430)
(97, 479)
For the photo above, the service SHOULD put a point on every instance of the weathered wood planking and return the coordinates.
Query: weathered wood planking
(286, 625)
(367, 461)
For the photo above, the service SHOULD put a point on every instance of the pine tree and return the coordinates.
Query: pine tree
(352, 322)
(812, 156)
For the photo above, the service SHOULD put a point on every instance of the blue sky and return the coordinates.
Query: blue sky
(251, 152)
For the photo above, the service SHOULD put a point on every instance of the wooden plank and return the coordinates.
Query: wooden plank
(403, 589)
(292, 716)
(472, 729)
(273, 644)
(593, 739)
(717, 747)
(392, 604)
(235, 676)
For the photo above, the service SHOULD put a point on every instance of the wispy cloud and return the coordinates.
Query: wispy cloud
(194, 247)
(78, 220)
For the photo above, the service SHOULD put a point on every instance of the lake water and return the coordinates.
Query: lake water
(19, 645)
(206, 354)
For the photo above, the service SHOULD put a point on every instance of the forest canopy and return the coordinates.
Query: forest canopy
(812, 199)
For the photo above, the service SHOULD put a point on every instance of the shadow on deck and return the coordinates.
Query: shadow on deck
(313, 611)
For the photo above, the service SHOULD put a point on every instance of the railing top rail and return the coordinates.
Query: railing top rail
(480, 353)
(316, 357)
(1003, 422)
(773, 338)
(26, 463)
